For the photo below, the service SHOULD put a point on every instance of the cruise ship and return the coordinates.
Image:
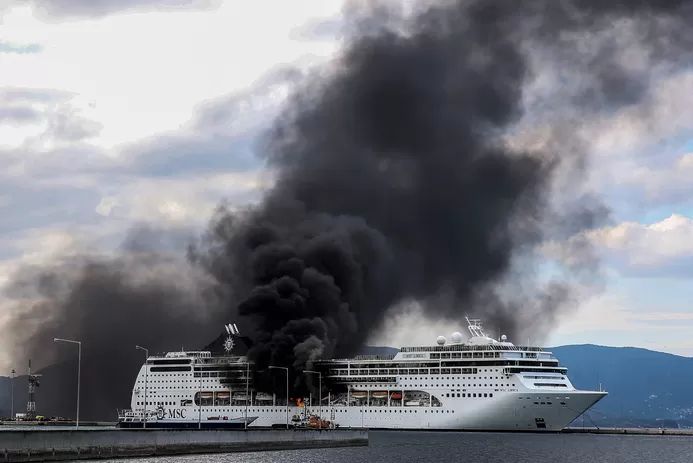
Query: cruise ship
(480, 383)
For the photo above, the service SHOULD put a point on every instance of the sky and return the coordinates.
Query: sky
(108, 123)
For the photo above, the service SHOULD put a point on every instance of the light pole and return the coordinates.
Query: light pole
(287, 391)
(79, 369)
(12, 395)
(146, 368)
(319, 392)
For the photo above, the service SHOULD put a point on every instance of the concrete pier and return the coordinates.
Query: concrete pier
(632, 431)
(52, 444)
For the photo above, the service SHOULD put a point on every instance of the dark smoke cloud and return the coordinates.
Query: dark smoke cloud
(402, 174)
(111, 305)
(395, 180)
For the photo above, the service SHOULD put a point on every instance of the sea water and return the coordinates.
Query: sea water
(463, 447)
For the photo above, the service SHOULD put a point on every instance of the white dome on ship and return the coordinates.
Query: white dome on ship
(456, 337)
(441, 340)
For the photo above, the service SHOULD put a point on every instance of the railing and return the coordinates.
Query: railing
(374, 357)
(464, 347)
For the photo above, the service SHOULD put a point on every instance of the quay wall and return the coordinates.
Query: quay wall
(633, 431)
(62, 444)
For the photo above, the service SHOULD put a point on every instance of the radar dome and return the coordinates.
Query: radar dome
(456, 337)
(440, 340)
(504, 338)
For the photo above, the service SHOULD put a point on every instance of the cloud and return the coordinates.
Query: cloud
(18, 115)
(221, 134)
(52, 119)
(665, 183)
(319, 29)
(174, 180)
(20, 49)
(75, 9)
(663, 248)
(178, 201)
(634, 150)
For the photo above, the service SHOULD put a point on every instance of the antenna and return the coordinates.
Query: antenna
(236, 328)
(474, 327)
(227, 329)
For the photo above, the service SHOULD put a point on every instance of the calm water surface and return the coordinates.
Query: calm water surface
(405, 447)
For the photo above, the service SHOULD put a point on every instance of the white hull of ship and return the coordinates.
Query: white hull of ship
(512, 411)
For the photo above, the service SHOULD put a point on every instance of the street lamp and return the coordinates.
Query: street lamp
(146, 368)
(287, 391)
(79, 369)
(319, 391)
(12, 395)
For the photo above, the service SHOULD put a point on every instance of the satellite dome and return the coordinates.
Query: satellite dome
(504, 338)
(440, 340)
(456, 337)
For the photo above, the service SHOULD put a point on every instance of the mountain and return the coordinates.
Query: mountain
(645, 387)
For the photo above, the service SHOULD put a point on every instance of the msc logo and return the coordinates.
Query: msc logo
(162, 413)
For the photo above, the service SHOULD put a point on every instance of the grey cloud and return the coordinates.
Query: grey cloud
(9, 95)
(172, 154)
(221, 135)
(63, 120)
(18, 115)
(76, 9)
(319, 30)
(42, 206)
(66, 125)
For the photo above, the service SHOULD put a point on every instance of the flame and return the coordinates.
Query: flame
(300, 403)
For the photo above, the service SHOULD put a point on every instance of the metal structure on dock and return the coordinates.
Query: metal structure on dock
(34, 382)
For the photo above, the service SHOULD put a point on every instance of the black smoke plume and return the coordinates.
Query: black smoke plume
(395, 180)
(409, 169)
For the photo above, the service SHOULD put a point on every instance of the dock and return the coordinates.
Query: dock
(632, 431)
(56, 444)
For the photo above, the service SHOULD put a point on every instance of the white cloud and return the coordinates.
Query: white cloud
(665, 182)
(661, 247)
(144, 73)
(188, 200)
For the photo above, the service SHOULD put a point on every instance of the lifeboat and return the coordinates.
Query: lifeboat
(359, 394)
(223, 395)
(396, 395)
(379, 394)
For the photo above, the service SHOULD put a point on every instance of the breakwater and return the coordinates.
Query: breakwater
(52, 444)
(633, 431)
